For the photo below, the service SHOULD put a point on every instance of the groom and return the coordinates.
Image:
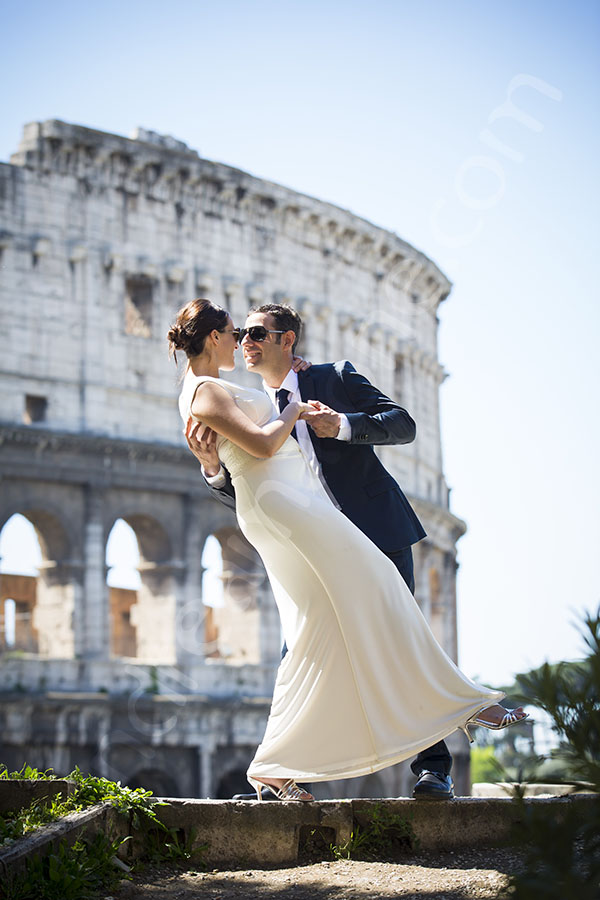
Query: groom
(353, 415)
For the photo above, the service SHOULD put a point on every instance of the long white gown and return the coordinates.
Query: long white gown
(364, 683)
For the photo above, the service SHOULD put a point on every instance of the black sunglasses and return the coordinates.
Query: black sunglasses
(234, 331)
(256, 333)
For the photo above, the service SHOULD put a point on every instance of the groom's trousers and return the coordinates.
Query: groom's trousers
(436, 758)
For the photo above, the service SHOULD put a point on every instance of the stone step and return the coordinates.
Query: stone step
(17, 793)
(275, 833)
(506, 789)
(226, 833)
(84, 824)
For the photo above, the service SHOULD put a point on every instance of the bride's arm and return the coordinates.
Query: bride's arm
(214, 406)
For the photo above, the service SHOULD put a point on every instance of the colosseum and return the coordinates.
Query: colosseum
(102, 238)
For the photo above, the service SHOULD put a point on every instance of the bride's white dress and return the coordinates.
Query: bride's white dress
(364, 683)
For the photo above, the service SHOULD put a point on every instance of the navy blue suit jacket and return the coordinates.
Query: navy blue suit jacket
(365, 490)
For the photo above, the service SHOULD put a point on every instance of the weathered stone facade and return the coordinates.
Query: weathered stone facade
(102, 239)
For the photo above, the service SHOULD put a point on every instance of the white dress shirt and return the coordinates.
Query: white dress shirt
(290, 384)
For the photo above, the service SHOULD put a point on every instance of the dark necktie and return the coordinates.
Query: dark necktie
(283, 399)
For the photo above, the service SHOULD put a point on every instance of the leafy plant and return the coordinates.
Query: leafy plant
(483, 764)
(562, 855)
(136, 802)
(74, 872)
(385, 835)
(27, 773)
(89, 790)
(570, 693)
(38, 813)
(172, 844)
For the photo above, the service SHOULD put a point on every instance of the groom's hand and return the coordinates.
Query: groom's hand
(202, 441)
(324, 421)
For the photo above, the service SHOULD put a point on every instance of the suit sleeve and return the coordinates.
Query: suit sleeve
(225, 494)
(378, 420)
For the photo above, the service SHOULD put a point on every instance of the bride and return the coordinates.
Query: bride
(364, 684)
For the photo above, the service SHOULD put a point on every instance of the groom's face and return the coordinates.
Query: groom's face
(262, 356)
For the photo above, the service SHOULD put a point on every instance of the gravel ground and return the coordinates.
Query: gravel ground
(469, 875)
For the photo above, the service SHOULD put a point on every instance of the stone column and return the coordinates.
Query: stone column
(154, 613)
(449, 589)
(95, 632)
(190, 613)
(54, 613)
(206, 786)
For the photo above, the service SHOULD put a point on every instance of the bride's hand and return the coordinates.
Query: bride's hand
(300, 409)
(202, 441)
(306, 409)
(324, 421)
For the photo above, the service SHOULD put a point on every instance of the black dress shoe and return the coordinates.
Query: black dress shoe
(433, 786)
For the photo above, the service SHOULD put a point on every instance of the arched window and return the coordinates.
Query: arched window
(123, 579)
(123, 557)
(20, 552)
(212, 577)
(213, 595)
(20, 558)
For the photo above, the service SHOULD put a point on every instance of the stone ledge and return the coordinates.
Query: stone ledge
(16, 793)
(271, 834)
(268, 833)
(41, 842)
(505, 789)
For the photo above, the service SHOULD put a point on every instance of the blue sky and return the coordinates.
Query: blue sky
(379, 108)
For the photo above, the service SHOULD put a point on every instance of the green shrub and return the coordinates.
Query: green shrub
(385, 836)
(484, 765)
(562, 857)
(75, 872)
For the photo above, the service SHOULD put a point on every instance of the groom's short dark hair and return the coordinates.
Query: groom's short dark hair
(286, 318)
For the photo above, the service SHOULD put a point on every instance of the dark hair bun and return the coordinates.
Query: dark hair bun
(193, 323)
(175, 338)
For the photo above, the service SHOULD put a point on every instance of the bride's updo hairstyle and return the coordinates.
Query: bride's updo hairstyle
(192, 326)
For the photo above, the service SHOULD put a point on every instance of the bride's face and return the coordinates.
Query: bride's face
(227, 347)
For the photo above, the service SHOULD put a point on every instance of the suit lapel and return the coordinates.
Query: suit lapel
(306, 383)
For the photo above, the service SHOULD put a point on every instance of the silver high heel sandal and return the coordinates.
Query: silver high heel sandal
(289, 790)
(509, 718)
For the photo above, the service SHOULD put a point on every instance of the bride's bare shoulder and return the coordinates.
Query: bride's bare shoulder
(208, 395)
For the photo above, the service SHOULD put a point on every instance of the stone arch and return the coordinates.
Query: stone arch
(18, 590)
(242, 568)
(154, 519)
(212, 593)
(232, 782)
(230, 764)
(154, 541)
(51, 529)
(156, 780)
(46, 604)
(122, 596)
(152, 614)
(32, 548)
(245, 628)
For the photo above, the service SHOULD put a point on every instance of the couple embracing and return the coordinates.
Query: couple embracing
(363, 683)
